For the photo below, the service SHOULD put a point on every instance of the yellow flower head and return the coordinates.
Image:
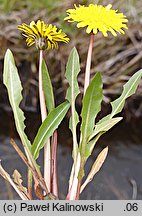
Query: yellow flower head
(98, 18)
(43, 35)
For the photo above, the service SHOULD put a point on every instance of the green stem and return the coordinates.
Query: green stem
(47, 153)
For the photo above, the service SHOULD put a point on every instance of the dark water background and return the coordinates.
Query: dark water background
(119, 178)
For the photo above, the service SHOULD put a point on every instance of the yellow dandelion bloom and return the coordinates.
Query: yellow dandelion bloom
(43, 35)
(98, 18)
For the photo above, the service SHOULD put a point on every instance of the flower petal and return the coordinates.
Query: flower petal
(97, 17)
(45, 36)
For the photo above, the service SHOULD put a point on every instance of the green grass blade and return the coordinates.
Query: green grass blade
(47, 128)
(72, 71)
(91, 106)
(13, 84)
(47, 88)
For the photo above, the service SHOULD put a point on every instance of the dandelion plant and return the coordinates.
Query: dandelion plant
(96, 19)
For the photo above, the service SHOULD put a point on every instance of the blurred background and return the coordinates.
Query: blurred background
(117, 58)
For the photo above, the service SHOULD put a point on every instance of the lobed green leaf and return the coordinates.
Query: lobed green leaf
(13, 84)
(72, 71)
(128, 89)
(117, 105)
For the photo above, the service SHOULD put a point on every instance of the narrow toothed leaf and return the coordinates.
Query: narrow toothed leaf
(14, 88)
(72, 71)
(128, 89)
